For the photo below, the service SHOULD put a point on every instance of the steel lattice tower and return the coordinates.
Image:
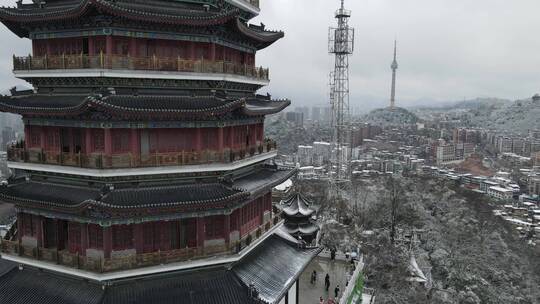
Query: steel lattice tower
(341, 44)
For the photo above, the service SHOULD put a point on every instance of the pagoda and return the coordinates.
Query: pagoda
(145, 172)
(298, 213)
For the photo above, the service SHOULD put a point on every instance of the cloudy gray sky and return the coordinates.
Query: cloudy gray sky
(448, 49)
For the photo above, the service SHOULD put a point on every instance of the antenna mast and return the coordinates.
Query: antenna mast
(341, 44)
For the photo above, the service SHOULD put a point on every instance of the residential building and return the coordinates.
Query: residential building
(297, 118)
(534, 185)
(500, 193)
(305, 155)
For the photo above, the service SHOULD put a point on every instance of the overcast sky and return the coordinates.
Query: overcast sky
(447, 49)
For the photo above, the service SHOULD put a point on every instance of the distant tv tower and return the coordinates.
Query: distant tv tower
(341, 44)
(394, 67)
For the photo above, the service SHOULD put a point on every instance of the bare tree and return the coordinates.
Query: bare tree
(394, 192)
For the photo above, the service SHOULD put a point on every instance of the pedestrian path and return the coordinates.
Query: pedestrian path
(338, 271)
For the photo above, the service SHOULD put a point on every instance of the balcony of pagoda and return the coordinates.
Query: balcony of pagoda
(80, 252)
(129, 160)
(125, 66)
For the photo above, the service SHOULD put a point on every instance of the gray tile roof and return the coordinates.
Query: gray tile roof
(274, 266)
(200, 286)
(141, 106)
(163, 199)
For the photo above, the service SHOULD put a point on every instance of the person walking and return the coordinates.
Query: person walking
(327, 282)
(313, 277)
(336, 291)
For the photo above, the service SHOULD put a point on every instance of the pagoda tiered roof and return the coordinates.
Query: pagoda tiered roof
(22, 18)
(149, 10)
(297, 206)
(298, 213)
(95, 204)
(139, 106)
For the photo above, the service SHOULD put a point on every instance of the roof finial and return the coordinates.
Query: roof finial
(342, 4)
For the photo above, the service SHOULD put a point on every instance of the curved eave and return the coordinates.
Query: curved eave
(148, 208)
(115, 110)
(298, 213)
(265, 108)
(263, 39)
(15, 18)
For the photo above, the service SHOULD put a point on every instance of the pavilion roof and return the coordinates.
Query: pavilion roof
(297, 206)
(139, 107)
(134, 201)
(308, 228)
(274, 266)
(20, 19)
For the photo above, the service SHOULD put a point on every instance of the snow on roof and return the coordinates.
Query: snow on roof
(284, 186)
(500, 189)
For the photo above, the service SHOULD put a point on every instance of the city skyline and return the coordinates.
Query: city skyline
(449, 51)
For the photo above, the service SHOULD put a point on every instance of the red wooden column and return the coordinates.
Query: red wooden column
(39, 232)
(84, 238)
(27, 139)
(108, 142)
(108, 45)
(107, 242)
(231, 137)
(138, 234)
(198, 140)
(260, 206)
(135, 141)
(20, 226)
(71, 141)
(253, 135)
(88, 141)
(220, 141)
(133, 47)
(42, 137)
(227, 228)
(212, 51)
(201, 233)
(91, 46)
(48, 46)
(107, 60)
(192, 50)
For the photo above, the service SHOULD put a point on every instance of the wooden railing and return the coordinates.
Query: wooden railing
(101, 265)
(120, 62)
(128, 160)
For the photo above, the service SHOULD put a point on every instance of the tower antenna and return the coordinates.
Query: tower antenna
(341, 45)
(394, 67)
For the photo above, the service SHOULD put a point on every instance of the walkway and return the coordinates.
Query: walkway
(337, 270)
